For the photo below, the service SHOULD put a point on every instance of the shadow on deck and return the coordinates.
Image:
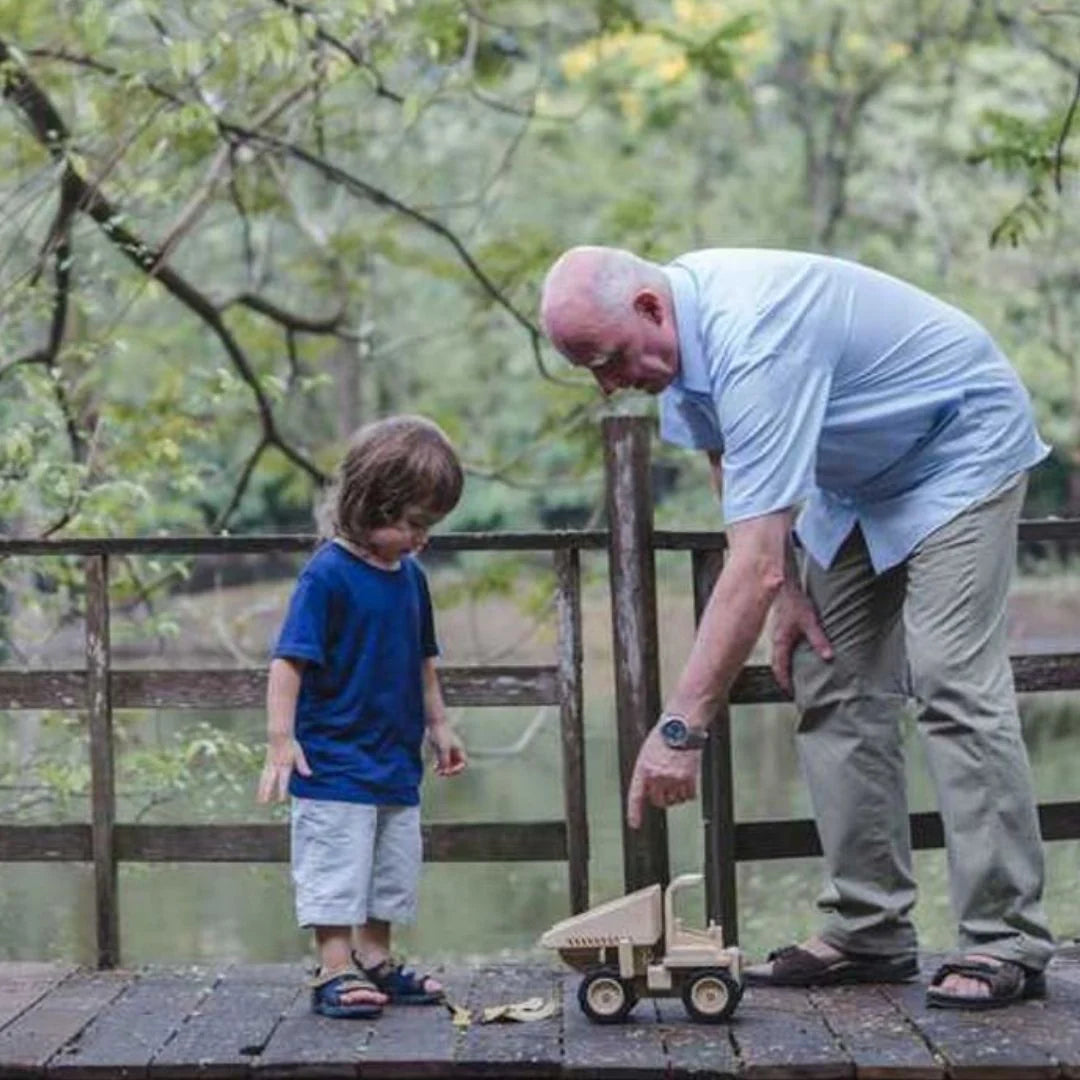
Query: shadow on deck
(253, 1021)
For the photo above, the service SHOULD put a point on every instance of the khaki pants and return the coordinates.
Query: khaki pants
(932, 628)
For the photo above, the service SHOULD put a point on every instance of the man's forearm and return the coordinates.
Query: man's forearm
(729, 629)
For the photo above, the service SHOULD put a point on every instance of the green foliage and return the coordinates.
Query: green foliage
(452, 150)
(1035, 151)
(202, 767)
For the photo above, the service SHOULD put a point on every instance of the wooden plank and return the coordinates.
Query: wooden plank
(632, 574)
(232, 1026)
(481, 841)
(245, 688)
(717, 781)
(27, 1043)
(547, 540)
(974, 1045)
(877, 1036)
(761, 840)
(21, 984)
(507, 685)
(702, 541)
(473, 842)
(695, 1049)
(1056, 530)
(125, 1036)
(778, 1034)
(511, 841)
(417, 1040)
(572, 726)
(102, 770)
(1052, 1025)
(501, 685)
(1038, 672)
(511, 1049)
(45, 843)
(1032, 672)
(318, 1047)
(618, 1051)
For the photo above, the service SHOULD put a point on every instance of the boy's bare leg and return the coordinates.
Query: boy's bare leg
(335, 955)
(373, 947)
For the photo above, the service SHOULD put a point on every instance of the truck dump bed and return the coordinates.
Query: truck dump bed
(636, 918)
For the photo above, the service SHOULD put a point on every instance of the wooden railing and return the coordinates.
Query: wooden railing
(99, 689)
(631, 543)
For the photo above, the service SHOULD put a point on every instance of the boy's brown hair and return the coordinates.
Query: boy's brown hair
(392, 466)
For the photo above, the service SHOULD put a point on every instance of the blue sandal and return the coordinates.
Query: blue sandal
(328, 990)
(401, 986)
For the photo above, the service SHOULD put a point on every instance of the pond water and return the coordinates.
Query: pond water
(211, 913)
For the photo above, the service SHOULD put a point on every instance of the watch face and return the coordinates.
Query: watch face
(674, 731)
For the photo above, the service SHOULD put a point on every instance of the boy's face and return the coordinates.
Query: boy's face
(407, 535)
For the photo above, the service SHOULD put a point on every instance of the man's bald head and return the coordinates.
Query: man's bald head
(588, 288)
(613, 312)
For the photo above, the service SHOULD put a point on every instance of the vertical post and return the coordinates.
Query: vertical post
(103, 793)
(633, 616)
(571, 714)
(717, 784)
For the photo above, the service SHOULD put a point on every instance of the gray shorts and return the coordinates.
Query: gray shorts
(352, 862)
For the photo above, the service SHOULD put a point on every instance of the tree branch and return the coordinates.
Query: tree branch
(1059, 149)
(357, 59)
(358, 186)
(50, 130)
(301, 323)
(350, 182)
(241, 486)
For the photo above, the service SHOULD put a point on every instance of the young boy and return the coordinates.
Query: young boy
(353, 690)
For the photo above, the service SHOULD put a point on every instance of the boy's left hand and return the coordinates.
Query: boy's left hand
(450, 756)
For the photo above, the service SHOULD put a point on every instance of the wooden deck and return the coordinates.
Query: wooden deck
(253, 1021)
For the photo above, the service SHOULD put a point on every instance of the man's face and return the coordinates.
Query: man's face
(641, 352)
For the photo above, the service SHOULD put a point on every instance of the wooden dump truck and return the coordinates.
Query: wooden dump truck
(636, 947)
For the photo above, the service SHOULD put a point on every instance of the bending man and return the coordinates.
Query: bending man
(901, 431)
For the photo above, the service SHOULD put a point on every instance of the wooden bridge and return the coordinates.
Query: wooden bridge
(253, 1021)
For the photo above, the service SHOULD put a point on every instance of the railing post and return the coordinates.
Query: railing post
(632, 570)
(717, 782)
(571, 714)
(102, 785)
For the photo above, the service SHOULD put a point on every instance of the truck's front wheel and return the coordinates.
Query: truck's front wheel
(604, 997)
(710, 995)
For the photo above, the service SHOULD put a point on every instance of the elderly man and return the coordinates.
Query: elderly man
(898, 427)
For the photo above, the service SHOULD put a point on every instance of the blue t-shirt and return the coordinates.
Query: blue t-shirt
(364, 633)
(833, 386)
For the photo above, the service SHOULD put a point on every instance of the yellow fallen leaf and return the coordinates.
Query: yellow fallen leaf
(460, 1017)
(534, 1008)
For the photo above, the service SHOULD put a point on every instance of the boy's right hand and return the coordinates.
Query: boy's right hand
(282, 756)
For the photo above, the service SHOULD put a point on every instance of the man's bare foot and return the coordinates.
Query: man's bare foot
(963, 985)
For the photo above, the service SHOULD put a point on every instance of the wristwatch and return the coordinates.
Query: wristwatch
(679, 735)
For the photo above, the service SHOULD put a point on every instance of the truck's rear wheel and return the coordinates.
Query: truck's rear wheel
(710, 995)
(604, 997)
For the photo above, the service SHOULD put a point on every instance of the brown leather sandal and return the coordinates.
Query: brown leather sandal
(795, 966)
(1007, 981)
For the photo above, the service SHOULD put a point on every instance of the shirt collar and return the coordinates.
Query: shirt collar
(693, 374)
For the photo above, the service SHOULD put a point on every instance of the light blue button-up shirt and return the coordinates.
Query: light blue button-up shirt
(827, 384)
